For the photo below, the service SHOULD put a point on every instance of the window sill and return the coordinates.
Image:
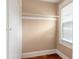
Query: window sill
(66, 43)
(69, 41)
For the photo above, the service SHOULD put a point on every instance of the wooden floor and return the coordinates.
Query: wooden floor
(53, 56)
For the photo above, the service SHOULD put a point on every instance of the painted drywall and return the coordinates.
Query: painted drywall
(38, 7)
(38, 34)
(14, 30)
(67, 51)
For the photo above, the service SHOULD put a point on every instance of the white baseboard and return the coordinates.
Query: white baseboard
(37, 53)
(44, 52)
(63, 56)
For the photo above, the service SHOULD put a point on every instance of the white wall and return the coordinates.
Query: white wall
(15, 37)
(3, 40)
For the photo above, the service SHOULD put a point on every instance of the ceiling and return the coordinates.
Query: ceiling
(52, 1)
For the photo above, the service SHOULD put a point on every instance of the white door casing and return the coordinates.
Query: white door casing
(14, 29)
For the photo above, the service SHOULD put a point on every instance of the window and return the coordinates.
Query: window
(66, 24)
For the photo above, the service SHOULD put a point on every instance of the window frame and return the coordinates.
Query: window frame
(64, 42)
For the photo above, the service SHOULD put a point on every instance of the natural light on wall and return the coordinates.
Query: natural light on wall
(66, 24)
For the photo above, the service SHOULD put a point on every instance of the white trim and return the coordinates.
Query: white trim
(63, 56)
(15, 23)
(61, 41)
(67, 20)
(37, 18)
(65, 43)
(44, 52)
(39, 15)
(38, 53)
(70, 41)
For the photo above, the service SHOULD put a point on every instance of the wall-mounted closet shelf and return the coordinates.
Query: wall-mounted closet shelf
(38, 16)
